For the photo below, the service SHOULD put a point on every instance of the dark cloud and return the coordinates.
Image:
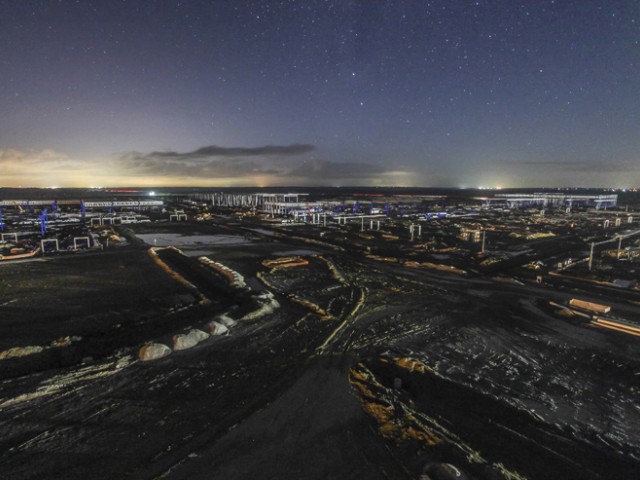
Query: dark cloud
(212, 161)
(160, 167)
(214, 151)
(320, 169)
(241, 162)
(274, 165)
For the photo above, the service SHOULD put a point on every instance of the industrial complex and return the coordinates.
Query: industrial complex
(446, 333)
(476, 233)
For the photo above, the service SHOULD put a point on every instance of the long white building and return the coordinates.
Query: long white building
(545, 200)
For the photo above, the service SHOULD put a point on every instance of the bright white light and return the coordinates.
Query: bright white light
(152, 193)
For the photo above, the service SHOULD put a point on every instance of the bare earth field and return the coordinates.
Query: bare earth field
(354, 368)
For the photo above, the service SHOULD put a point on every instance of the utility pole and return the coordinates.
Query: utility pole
(619, 245)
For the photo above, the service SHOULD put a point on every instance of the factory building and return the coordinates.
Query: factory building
(136, 204)
(551, 200)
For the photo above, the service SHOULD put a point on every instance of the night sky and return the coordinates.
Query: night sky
(408, 93)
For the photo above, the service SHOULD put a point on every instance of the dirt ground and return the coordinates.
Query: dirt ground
(401, 367)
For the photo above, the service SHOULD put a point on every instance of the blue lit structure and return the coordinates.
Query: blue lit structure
(44, 220)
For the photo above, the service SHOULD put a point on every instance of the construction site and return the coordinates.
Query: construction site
(320, 334)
